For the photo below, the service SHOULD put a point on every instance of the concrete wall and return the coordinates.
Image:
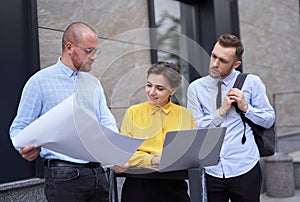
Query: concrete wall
(270, 30)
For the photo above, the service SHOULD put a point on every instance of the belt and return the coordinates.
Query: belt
(60, 163)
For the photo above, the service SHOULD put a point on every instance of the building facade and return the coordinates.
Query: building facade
(135, 33)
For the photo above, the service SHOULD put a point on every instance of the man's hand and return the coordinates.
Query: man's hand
(237, 96)
(30, 152)
(226, 106)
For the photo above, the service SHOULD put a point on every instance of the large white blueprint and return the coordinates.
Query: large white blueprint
(70, 129)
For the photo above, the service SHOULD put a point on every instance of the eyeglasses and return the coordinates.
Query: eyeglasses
(89, 51)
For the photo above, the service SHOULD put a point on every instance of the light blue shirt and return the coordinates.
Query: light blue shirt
(46, 89)
(235, 158)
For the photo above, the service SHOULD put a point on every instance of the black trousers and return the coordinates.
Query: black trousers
(243, 188)
(154, 190)
(64, 184)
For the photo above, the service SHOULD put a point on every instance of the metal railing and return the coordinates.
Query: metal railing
(287, 126)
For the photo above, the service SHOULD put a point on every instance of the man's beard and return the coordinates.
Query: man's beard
(85, 67)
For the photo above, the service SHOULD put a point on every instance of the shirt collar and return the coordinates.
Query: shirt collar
(65, 69)
(230, 78)
(166, 108)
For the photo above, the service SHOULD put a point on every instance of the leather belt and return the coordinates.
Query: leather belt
(60, 163)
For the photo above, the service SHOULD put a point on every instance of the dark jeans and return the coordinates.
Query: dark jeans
(243, 188)
(76, 184)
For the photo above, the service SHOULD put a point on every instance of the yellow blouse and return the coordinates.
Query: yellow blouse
(148, 121)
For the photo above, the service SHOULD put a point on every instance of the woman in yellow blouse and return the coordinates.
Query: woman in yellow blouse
(152, 120)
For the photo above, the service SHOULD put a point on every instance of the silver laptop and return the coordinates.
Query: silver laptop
(186, 149)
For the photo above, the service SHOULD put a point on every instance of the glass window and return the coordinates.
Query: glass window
(168, 32)
(176, 34)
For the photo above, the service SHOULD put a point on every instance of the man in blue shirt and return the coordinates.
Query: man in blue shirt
(237, 176)
(67, 178)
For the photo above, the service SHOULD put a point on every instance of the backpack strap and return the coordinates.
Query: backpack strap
(239, 84)
(240, 81)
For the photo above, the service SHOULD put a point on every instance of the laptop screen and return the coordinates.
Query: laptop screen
(195, 148)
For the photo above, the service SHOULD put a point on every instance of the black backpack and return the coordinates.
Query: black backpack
(264, 137)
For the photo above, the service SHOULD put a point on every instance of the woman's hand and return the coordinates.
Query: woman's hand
(155, 160)
(121, 168)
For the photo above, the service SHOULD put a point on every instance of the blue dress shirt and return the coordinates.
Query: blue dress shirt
(235, 158)
(46, 89)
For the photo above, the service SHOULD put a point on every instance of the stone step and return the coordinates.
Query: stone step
(295, 155)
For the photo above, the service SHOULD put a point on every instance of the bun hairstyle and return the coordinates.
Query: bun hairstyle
(169, 70)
